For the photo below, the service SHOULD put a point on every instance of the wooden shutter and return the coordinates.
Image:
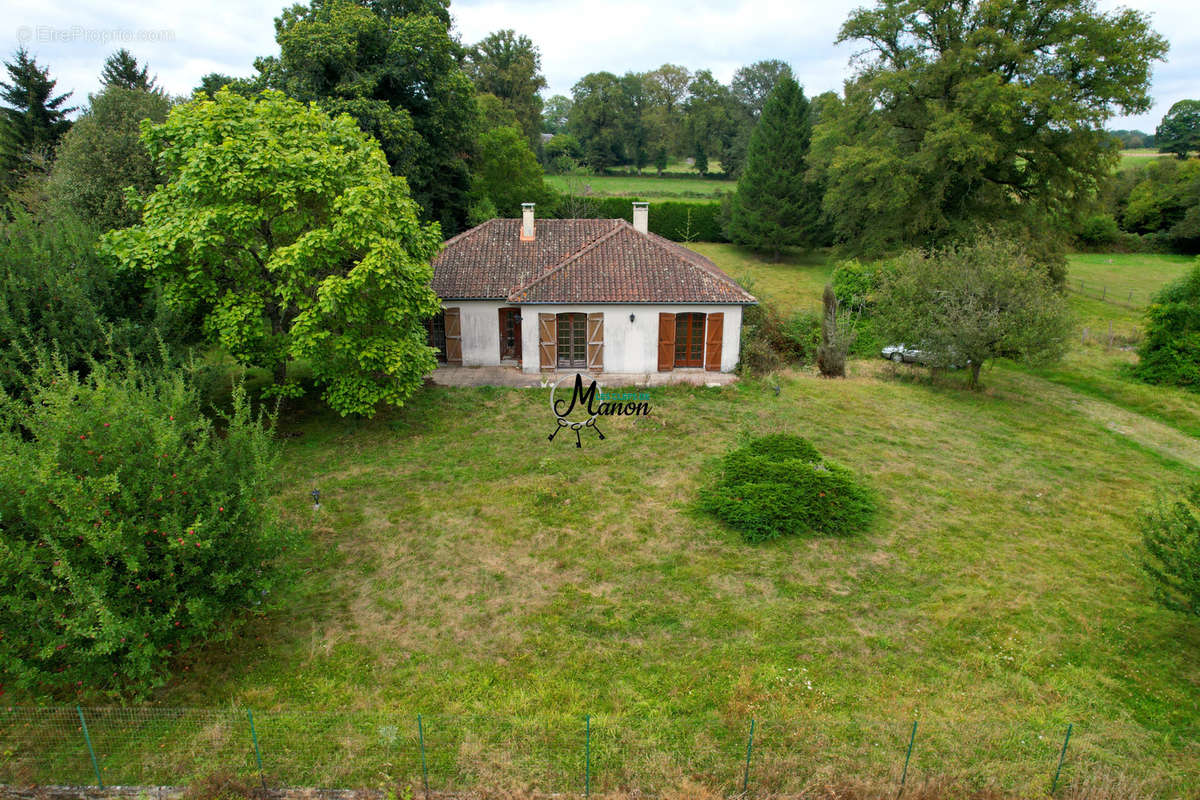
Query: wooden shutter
(453, 336)
(712, 342)
(666, 342)
(548, 341)
(595, 341)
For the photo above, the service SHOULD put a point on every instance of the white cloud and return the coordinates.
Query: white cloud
(575, 37)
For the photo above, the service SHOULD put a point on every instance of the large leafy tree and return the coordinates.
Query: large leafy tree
(775, 205)
(752, 84)
(710, 122)
(395, 68)
(32, 119)
(103, 155)
(506, 174)
(285, 229)
(1179, 131)
(556, 113)
(510, 67)
(666, 90)
(600, 118)
(971, 302)
(121, 70)
(978, 110)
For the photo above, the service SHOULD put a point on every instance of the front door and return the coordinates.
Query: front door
(572, 341)
(510, 334)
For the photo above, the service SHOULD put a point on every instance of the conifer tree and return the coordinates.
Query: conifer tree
(121, 69)
(32, 119)
(774, 205)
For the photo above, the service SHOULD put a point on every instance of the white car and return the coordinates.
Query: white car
(901, 353)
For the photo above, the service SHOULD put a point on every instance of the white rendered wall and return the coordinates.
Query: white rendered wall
(628, 346)
(480, 330)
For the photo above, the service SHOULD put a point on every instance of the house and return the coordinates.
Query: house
(599, 295)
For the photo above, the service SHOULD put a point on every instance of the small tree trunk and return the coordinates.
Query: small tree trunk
(975, 366)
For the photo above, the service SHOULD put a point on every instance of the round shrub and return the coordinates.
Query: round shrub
(1170, 353)
(130, 526)
(778, 485)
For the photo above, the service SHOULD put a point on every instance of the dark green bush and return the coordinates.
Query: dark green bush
(1171, 550)
(1098, 230)
(779, 447)
(1170, 353)
(778, 486)
(130, 527)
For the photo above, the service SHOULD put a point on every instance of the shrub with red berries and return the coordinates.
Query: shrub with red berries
(131, 525)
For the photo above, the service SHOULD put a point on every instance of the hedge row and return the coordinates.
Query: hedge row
(676, 220)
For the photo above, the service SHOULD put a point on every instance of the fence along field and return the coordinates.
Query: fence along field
(577, 755)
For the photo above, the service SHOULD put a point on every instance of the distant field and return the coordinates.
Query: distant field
(1130, 278)
(648, 186)
(1131, 158)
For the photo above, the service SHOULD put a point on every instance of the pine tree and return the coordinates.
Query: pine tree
(32, 119)
(774, 205)
(121, 69)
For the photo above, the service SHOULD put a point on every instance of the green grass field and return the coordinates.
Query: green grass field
(1131, 158)
(465, 568)
(648, 186)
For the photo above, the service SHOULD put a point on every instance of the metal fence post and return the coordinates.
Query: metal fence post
(91, 752)
(587, 756)
(1061, 756)
(749, 749)
(257, 753)
(424, 768)
(904, 775)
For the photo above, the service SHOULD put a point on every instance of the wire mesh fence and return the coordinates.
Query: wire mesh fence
(570, 754)
(1129, 298)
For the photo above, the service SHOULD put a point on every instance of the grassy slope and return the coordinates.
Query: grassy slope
(462, 565)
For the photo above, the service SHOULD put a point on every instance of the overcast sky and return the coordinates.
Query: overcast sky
(181, 43)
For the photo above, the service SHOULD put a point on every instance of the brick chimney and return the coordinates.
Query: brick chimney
(527, 231)
(641, 217)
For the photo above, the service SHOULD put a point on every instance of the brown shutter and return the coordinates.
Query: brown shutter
(595, 341)
(666, 342)
(547, 338)
(712, 342)
(453, 336)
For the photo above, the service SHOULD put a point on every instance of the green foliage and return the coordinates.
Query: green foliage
(102, 155)
(510, 67)
(1163, 198)
(1179, 131)
(779, 486)
(675, 220)
(556, 112)
(562, 152)
(55, 292)
(775, 205)
(129, 527)
(601, 112)
(286, 232)
(1099, 230)
(973, 302)
(506, 172)
(1171, 550)
(1170, 352)
(854, 283)
(770, 341)
(396, 69)
(974, 112)
(32, 119)
(121, 71)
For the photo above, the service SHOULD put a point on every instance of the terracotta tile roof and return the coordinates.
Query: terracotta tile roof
(489, 260)
(578, 261)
